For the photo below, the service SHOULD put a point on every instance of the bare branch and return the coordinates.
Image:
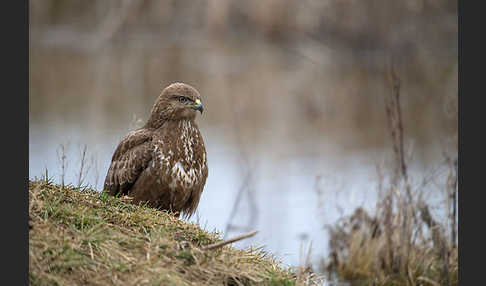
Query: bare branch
(225, 242)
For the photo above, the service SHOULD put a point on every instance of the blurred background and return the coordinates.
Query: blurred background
(294, 92)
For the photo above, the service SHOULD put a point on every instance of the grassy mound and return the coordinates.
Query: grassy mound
(83, 237)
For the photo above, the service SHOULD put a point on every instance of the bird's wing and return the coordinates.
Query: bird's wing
(131, 157)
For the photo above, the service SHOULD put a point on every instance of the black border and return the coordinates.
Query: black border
(460, 197)
(15, 142)
(469, 80)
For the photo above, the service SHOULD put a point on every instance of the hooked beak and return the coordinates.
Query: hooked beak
(198, 106)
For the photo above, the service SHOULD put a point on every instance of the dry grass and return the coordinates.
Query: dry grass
(82, 237)
(369, 250)
(402, 244)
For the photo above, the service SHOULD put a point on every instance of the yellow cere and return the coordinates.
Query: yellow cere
(198, 101)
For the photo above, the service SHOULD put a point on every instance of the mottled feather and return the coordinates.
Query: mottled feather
(131, 157)
(163, 163)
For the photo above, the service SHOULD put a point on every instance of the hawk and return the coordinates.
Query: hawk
(164, 162)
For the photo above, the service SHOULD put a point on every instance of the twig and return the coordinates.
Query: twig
(82, 170)
(452, 197)
(225, 242)
(61, 155)
(246, 187)
(239, 195)
(394, 115)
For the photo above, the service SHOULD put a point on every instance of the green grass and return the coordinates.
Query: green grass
(83, 237)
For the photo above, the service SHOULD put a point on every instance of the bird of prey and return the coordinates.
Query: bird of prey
(164, 162)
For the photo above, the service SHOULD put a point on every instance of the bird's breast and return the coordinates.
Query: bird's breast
(180, 159)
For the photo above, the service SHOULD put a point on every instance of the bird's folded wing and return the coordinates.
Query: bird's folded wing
(131, 157)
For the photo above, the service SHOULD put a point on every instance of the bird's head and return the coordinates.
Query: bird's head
(178, 101)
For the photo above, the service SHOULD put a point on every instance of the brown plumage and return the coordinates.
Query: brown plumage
(164, 162)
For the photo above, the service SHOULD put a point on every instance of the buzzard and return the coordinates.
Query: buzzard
(164, 162)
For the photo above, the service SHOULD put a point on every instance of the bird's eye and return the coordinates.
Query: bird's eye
(182, 99)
